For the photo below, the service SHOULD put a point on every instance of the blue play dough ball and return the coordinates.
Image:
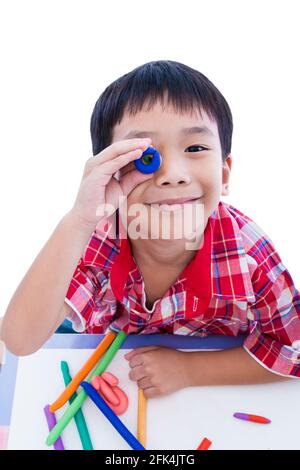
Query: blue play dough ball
(149, 161)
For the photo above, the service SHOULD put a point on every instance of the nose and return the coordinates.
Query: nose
(171, 173)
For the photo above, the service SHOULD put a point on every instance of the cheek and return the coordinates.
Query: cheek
(210, 175)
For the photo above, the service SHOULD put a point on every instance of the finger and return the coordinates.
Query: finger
(137, 373)
(151, 392)
(131, 179)
(145, 382)
(119, 148)
(136, 360)
(105, 172)
(138, 352)
(142, 349)
(112, 166)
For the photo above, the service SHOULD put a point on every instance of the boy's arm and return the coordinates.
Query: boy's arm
(270, 352)
(229, 367)
(37, 307)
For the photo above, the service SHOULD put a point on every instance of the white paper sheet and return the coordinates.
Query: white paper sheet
(176, 421)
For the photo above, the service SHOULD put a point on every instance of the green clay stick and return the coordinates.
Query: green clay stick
(82, 395)
(79, 418)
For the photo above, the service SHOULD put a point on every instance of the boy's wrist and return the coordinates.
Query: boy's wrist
(192, 366)
(78, 223)
(196, 368)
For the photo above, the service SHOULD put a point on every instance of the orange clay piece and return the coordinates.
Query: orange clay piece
(110, 378)
(115, 398)
(106, 390)
(122, 407)
(83, 372)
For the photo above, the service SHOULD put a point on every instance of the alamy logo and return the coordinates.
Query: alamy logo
(187, 222)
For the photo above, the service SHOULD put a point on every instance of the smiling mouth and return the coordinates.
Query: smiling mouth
(174, 206)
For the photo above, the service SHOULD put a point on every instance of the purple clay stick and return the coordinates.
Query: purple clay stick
(51, 420)
(253, 418)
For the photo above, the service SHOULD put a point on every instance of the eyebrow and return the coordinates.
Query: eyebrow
(185, 130)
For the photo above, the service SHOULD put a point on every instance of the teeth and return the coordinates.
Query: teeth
(172, 207)
(171, 204)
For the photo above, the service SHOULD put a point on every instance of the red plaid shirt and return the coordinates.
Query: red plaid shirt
(235, 284)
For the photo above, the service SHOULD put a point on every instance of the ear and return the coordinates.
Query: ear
(226, 169)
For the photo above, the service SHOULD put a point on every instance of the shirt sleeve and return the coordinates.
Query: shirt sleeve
(274, 338)
(85, 296)
(80, 297)
(89, 294)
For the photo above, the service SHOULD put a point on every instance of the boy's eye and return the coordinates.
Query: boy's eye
(197, 146)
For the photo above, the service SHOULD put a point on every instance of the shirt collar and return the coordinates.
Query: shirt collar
(218, 269)
(230, 268)
(198, 268)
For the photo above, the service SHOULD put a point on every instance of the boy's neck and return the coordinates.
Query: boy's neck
(168, 254)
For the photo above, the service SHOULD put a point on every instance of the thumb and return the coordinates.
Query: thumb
(132, 179)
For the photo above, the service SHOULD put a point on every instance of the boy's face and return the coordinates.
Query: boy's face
(191, 166)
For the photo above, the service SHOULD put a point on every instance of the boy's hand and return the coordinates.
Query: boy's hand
(158, 370)
(98, 186)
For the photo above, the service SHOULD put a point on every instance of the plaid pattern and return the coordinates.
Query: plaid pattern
(236, 283)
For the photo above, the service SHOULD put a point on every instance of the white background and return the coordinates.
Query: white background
(58, 56)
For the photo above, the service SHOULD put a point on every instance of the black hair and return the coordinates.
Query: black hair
(188, 89)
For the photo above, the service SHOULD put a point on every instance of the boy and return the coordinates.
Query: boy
(232, 281)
